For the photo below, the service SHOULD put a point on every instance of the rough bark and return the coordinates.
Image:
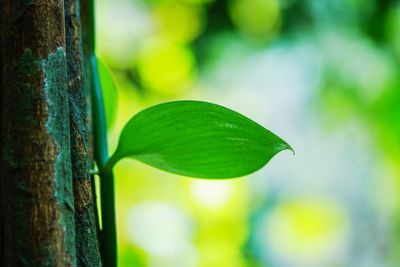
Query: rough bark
(48, 213)
(85, 220)
(36, 181)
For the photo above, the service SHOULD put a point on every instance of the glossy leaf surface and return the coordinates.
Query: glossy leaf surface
(197, 139)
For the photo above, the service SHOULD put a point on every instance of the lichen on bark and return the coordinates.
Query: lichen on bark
(40, 221)
(55, 90)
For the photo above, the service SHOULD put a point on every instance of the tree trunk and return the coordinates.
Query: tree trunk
(86, 226)
(47, 209)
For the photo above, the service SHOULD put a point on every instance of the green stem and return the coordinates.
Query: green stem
(108, 233)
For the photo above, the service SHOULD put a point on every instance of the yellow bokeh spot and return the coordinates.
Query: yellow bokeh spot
(166, 68)
(211, 194)
(256, 18)
(307, 229)
(197, 1)
(221, 211)
(179, 23)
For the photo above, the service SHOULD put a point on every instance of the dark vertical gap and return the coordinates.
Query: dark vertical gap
(85, 21)
(1, 134)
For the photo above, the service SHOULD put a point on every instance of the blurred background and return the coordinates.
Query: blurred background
(322, 74)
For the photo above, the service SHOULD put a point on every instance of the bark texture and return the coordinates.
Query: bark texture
(85, 220)
(47, 208)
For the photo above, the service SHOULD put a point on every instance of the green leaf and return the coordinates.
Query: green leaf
(109, 91)
(197, 139)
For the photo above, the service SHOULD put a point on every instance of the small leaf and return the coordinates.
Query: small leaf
(197, 139)
(109, 91)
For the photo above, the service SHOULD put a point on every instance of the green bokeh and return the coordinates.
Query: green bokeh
(323, 74)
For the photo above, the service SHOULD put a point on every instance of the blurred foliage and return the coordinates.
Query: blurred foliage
(324, 71)
(109, 93)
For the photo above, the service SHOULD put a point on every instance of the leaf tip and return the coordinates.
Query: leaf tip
(290, 148)
(286, 146)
